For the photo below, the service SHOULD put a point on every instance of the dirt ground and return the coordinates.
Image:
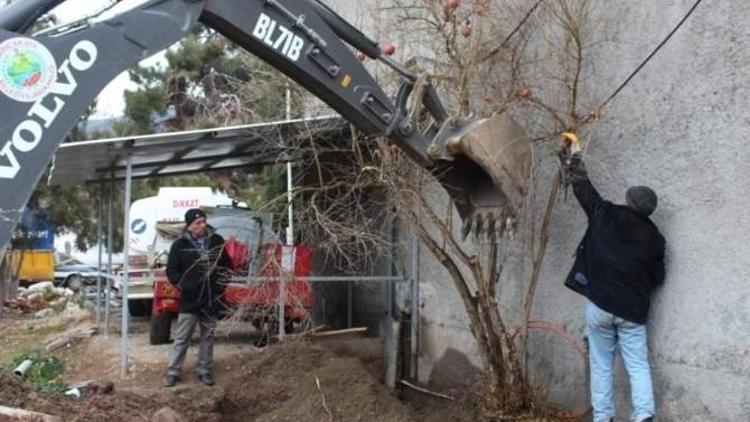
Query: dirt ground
(325, 379)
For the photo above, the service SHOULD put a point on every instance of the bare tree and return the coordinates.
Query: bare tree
(485, 71)
(486, 64)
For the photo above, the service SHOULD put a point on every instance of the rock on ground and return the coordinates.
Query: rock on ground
(167, 414)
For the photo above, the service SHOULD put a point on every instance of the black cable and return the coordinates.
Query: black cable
(520, 24)
(653, 53)
(515, 30)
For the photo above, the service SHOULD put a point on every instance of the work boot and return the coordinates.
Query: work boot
(206, 379)
(171, 380)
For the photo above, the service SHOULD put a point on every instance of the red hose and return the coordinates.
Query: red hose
(560, 331)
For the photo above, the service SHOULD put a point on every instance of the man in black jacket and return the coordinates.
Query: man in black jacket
(619, 263)
(197, 266)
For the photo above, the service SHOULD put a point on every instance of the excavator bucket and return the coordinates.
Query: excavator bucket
(486, 166)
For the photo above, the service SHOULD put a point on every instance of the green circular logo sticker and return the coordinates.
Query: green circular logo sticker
(27, 69)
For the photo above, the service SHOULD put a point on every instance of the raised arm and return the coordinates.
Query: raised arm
(575, 173)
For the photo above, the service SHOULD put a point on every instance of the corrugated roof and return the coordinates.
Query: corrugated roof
(194, 151)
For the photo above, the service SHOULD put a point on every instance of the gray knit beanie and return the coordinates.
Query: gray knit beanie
(642, 199)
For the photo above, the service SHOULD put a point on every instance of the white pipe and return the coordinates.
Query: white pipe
(290, 226)
(289, 196)
(23, 367)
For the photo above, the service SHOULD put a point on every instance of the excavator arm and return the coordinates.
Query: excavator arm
(47, 82)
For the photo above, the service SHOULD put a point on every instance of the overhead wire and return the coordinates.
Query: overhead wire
(635, 72)
(515, 30)
(521, 23)
(650, 56)
(638, 69)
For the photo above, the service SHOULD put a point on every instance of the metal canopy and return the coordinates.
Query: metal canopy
(173, 153)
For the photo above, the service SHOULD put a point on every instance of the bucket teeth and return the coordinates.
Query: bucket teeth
(488, 171)
(490, 218)
(466, 228)
(486, 223)
(478, 225)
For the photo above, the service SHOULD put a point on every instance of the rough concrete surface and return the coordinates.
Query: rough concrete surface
(679, 127)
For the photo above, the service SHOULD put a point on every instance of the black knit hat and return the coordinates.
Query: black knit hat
(642, 199)
(193, 214)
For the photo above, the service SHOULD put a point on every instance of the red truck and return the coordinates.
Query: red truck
(253, 292)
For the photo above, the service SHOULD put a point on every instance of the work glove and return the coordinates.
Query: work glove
(572, 167)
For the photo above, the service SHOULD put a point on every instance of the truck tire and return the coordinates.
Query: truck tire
(140, 307)
(160, 328)
(74, 282)
(288, 326)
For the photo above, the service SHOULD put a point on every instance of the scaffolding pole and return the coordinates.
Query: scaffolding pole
(125, 277)
(320, 279)
(99, 218)
(289, 228)
(414, 307)
(110, 244)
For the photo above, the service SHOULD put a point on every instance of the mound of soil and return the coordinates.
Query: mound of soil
(302, 381)
(293, 381)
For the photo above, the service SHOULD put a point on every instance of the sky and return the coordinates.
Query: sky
(110, 102)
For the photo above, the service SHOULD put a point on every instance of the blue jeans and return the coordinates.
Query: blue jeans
(606, 332)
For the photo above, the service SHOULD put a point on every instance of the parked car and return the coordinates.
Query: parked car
(77, 276)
